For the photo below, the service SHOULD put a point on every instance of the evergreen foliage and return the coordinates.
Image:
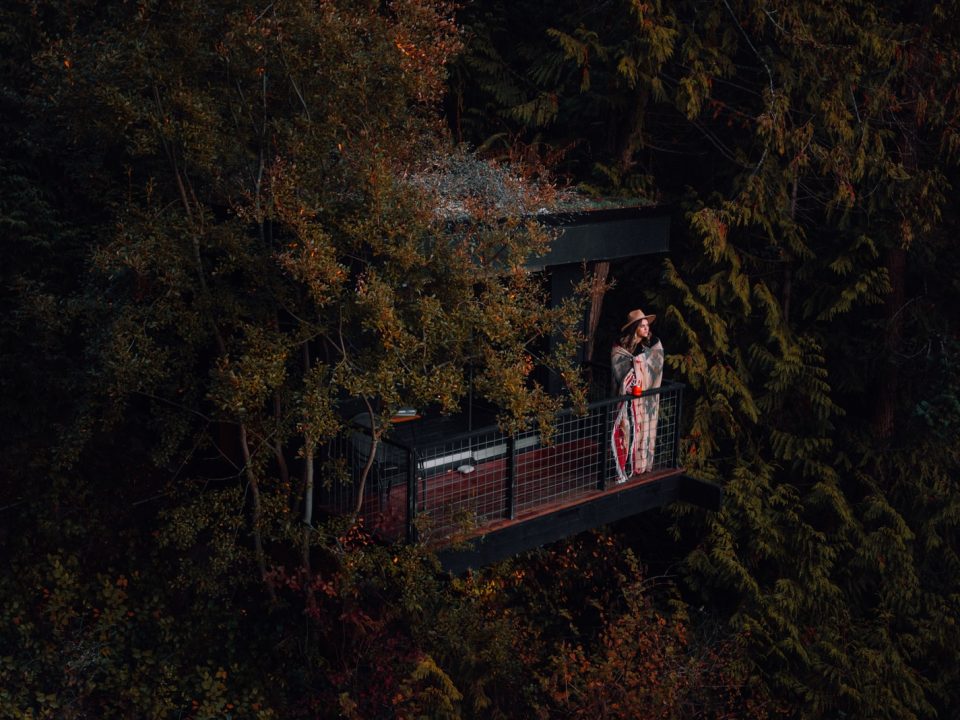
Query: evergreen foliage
(223, 220)
(817, 146)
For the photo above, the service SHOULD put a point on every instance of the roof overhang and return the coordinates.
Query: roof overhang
(609, 234)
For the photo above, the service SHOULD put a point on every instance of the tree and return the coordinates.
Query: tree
(816, 229)
(273, 245)
(263, 237)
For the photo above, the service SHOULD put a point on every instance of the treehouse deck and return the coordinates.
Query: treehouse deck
(483, 495)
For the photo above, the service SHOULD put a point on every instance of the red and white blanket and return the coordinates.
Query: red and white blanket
(634, 437)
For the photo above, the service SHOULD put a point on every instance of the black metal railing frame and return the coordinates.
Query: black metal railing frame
(414, 476)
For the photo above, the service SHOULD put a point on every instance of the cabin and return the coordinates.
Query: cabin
(477, 494)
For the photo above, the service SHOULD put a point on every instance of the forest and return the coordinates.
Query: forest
(224, 222)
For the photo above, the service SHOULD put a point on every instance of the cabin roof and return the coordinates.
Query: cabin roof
(604, 233)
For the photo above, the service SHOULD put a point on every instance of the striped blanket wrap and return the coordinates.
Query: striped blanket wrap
(634, 437)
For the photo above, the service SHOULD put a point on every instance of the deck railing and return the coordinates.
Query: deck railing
(469, 481)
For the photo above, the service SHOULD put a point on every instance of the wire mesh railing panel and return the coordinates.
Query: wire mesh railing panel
(668, 418)
(548, 473)
(461, 483)
(334, 473)
(343, 463)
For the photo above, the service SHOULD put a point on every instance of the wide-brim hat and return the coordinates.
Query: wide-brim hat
(637, 316)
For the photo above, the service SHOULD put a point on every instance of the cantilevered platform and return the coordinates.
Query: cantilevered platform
(481, 495)
(547, 524)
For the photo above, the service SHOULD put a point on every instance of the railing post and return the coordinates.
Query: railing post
(510, 499)
(411, 494)
(606, 430)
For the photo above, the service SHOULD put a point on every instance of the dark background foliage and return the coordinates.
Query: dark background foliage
(210, 241)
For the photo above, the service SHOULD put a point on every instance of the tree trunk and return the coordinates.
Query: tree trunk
(374, 443)
(598, 288)
(308, 453)
(257, 513)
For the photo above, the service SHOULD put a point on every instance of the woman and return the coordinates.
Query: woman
(637, 364)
